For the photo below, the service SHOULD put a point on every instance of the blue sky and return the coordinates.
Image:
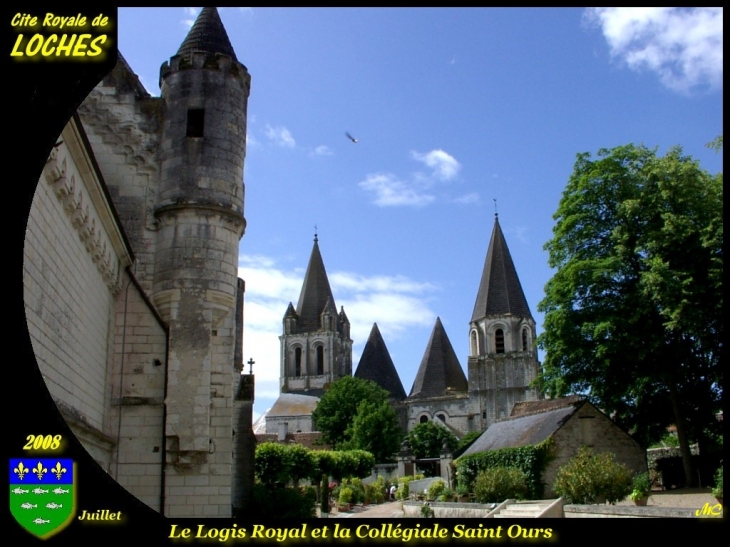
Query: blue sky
(452, 109)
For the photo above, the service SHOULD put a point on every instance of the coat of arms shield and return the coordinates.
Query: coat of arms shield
(42, 494)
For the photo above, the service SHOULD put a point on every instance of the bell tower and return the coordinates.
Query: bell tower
(316, 348)
(502, 351)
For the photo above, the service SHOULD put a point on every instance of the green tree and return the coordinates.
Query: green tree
(375, 429)
(427, 440)
(337, 412)
(633, 313)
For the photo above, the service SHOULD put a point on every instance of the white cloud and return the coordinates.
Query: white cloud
(383, 283)
(445, 166)
(280, 135)
(322, 150)
(388, 191)
(467, 199)
(682, 45)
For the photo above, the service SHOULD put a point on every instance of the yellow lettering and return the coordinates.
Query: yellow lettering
(95, 50)
(51, 39)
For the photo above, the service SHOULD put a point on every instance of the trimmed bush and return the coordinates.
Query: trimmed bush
(531, 459)
(436, 489)
(497, 484)
(590, 478)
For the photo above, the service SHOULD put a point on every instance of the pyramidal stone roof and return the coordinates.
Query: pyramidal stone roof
(500, 291)
(316, 294)
(440, 372)
(376, 365)
(208, 35)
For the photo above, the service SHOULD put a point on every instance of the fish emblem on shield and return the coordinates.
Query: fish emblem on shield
(43, 494)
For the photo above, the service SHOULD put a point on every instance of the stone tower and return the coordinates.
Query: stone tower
(440, 389)
(316, 348)
(199, 210)
(502, 352)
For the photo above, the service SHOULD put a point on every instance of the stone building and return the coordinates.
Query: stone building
(570, 422)
(316, 350)
(133, 304)
(501, 367)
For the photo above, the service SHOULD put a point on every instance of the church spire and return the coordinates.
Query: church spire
(500, 291)
(207, 35)
(440, 372)
(376, 365)
(316, 295)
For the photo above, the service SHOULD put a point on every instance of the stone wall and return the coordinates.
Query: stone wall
(72, 259)
(590, 427)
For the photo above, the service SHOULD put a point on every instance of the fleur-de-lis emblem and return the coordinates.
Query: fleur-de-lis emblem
(58, 470)
(39, 470)
(21, 471)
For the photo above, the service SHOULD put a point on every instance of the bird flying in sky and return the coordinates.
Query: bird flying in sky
(353, 139)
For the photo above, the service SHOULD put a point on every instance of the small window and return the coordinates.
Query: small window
(423, 419)
(441, 417)
(320, 360)
(196, 119)
(499, 341)
(524, 339)
(298, 362)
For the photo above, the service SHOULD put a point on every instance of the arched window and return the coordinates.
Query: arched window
(524, 339)
(441, 417)
(320, 360)
(423, 419)
(474, 343)
(499, 341)
(297, 361)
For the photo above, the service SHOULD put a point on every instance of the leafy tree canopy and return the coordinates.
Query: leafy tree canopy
(633, 313)
(353, 412)
(427, 440)
(375, 429)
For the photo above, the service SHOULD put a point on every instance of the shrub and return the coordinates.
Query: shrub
(462, 489)
(375, 491)
(531, 459)
(403, 488)
(294, 503)
(436, 489)
(587, 478)
(640, 486)
(426, 511)
(497, 484)
(345, 495)
(717, 489)
(446, 495)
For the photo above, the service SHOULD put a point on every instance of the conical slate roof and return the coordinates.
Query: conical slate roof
(440, 372)
(208, 34)
(376, 365)
(500, 291)
(316, 294)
